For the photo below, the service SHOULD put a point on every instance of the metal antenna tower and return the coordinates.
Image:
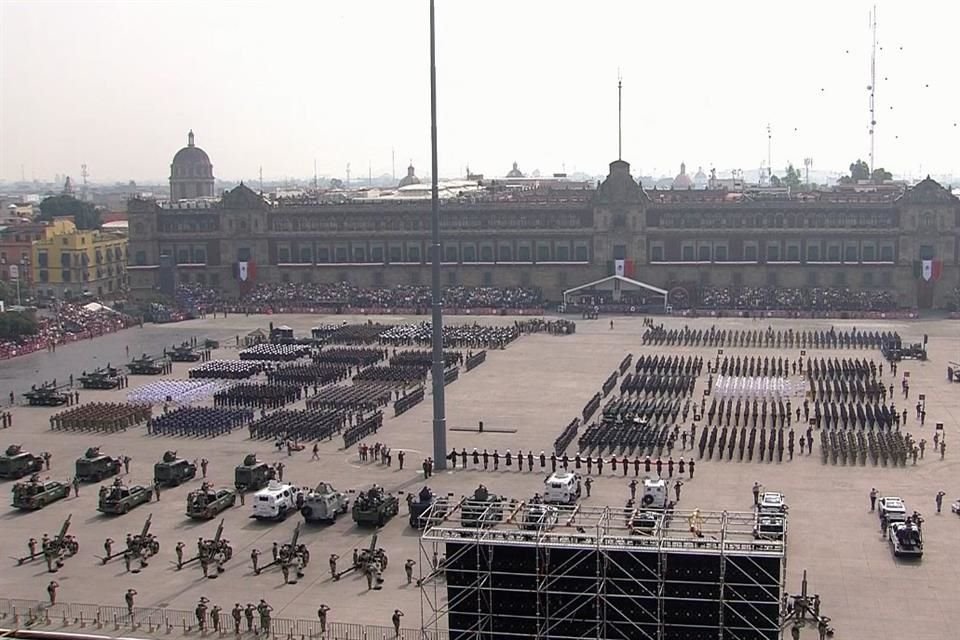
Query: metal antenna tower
(261, 179)
(348, 175)
(84, 174)
(619, 116)
(439, 404)
(807, 163)
(314, 173)
(873, 83)
(769, 153)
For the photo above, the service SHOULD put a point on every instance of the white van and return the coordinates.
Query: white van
(276, 501)
(562, 487)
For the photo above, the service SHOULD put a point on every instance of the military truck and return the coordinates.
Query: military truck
(324, 504)
(374, 507)
(172, 471)
(95, 466)
(206, 502)
(481, 509)
(36, 494)
(17, 463)
(253, 475)
(419, 505)
(120, 498)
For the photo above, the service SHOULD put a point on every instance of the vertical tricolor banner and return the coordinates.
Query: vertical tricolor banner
(624, 268)
(928, 270)
(246, 272)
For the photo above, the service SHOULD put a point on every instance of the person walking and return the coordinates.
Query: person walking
(588, 484)
(676, 488)
(873, 499)
(76, 487)
(408, 569)
(756, 494)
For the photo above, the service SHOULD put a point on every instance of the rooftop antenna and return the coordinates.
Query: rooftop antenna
(619, 115)
(872, 88)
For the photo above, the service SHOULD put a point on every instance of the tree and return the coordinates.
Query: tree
(775, 181)
(881, 175)
(15, 325)
(792, 178)
(85, 215)
(859, 171)
(8, 293)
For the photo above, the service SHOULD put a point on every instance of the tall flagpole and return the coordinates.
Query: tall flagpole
(439, 409)
(619, 116)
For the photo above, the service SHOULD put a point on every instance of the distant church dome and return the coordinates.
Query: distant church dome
(515, 172)
(191, 173)
(410, 178)
(682, 181)
(700, 179)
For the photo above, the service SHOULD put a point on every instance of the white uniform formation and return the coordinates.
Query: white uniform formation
(177, 391)
(761, 388)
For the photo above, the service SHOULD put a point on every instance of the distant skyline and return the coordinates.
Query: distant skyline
(117, 85)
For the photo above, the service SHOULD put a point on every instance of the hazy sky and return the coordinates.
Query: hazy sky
(279, 84)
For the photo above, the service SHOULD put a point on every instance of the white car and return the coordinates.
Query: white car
(276, 501)
(892, 508)
(562, 487)
(955, 507)
(772, 502)
(905, 539)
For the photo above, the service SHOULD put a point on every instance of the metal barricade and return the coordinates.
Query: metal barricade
(377, 632)
(84, 615)
(6, 609)
(178, 621)
(344, 631)
(282, 627)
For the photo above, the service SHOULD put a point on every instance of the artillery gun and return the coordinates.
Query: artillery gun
(140, 546)
(252, 475)
(206, 502)
(291, 554)
(47, 395)
(372, 560)
(183, 353)
(374, 507)
(36, 493)
(172, 471)
(101, 378)
(120, 498)
(216, 551)
(17, 463)
(95, 466)
(54, 550)
(147, 365)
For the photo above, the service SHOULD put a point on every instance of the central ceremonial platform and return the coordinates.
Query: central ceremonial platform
(597, 572)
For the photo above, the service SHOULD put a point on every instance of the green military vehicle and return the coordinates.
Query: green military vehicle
(47, 395)
(102, 378)
(172, 471)
(95, 466)
(482, 509)
(374, 507)
(17, 463)
(120, 498)
(183, 353)
(146, 366)
(252, 475)
(36, 493)
(206, 502)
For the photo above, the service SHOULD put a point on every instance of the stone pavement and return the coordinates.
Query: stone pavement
(536, 386)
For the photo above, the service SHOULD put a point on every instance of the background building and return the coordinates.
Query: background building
(191, 173)
(68, 263)
(557, 235)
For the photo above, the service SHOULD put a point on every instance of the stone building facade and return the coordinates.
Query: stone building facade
(557, 239)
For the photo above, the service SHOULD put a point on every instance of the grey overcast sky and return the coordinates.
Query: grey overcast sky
(118, 84)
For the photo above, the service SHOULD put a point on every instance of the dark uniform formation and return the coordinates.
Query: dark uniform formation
(100, 416)
(227, 369)
(299, 426)
(316, 374)
(790, 339)
(262, 395)
(350, 356)
(275, 352)
(199, 422)
(472, 336)
(424, 358)
(349, 333)
(365, 396)
(394, 375)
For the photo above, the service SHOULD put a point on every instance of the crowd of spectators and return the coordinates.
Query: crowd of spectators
(200, 298)
(69, 323)
(796, 299)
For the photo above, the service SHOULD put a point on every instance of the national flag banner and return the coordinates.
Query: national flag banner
(928, 270)
(619, 267)
(242, 272)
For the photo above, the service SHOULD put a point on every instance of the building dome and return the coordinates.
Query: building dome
(410, 178)
(515, 172)
(682, 181)
(191, 173)
(700, 179)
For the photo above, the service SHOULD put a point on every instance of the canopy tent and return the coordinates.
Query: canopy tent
(615, 285)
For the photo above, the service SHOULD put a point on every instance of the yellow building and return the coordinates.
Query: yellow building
(69, 263)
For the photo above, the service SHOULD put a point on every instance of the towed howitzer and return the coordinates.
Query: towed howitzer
(216, 550)
(372, 559)
(290, 553)
(142, 545)
(55, 550)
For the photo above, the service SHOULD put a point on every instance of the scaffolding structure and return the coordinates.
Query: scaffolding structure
(530, 570)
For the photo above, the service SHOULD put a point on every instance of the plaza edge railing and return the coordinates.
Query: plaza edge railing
(37, 615)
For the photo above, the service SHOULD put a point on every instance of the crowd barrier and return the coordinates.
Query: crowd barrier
(8, 352)
(40, 615)
(385, 311)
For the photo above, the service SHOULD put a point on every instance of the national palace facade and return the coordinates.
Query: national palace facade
(557, 238)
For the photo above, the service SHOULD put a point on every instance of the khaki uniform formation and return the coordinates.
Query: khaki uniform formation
(780, 339)
(100, 416)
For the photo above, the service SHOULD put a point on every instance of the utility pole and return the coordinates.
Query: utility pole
(439, 406)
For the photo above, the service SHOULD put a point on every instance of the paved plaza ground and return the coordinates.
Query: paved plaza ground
(536, 386)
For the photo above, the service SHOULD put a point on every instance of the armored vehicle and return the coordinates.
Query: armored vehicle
(276, 501)
(374, 507)
(183, 353)
(206, 502)
(324, 504)
(104, 378)
(95, 466)
(146, 366)
(481, 509)
(419, 505)
(36, 494)
(171, 470)
(906, 538)
(17, 463)
(253, 475)
(120, 498)
(48, 395)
